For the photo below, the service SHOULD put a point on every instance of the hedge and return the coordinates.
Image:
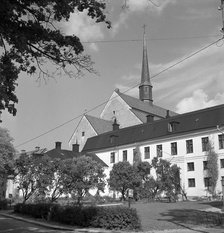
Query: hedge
(3, 204)
(119, 217)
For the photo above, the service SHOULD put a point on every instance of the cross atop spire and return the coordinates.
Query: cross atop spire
(145, 87)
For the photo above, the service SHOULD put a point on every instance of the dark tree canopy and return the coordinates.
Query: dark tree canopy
(29, 38)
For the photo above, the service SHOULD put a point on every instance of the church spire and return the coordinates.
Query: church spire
(145, 87)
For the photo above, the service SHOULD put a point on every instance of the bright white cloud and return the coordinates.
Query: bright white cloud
(84, 27)
(199, 100)
(202, 71)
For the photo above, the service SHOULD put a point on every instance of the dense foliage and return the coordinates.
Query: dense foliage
(212, 166)
(167, 178)
(89, 216)
(82, 175)
(123, 177)
(32, 175)
(6, 159)
(30, 37)
(41, 178)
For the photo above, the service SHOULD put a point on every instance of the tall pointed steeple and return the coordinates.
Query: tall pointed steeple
(145, 87)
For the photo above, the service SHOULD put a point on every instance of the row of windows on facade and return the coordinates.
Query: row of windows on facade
(207, 182)
(159, 148)
(190, 165)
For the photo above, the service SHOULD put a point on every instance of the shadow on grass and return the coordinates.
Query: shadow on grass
(188, 218)
(216, 204)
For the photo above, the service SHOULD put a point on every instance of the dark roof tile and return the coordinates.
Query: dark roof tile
(188, 122)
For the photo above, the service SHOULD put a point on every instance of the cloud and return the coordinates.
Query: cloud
(153, 5)
(202, 71)
(138, 6)
(84, 27)
(120, 22)
(199, 100)
(94, 47)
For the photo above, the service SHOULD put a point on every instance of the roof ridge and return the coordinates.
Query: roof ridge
(160, 120)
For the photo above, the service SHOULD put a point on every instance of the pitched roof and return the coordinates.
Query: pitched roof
(189, 122)
(139, 105)
(96, 158)
(99, 125)
(61, 154)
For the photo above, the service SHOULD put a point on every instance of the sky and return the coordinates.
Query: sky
(49, 110)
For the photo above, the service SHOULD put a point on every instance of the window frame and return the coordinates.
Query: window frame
(190, 167)
(159, 152)
(221, 141)
(204, 144)
(125, 155)
(112, 157)
(221, 163)
(205, 165)
(191, 183)
(173, 148)
(147, 153)
(207, 182)
(189, 146)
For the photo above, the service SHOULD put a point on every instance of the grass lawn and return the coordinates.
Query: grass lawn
(160, 216)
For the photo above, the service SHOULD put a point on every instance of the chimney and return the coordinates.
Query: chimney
(75, 148)
(37, 148)
(58, 145)
(150, 118)
(23, 152)
(167, 113)
(115, 125)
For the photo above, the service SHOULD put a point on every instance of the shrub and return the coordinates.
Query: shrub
(3, 204)
(41, 210)
(116, 218)
(87, 216)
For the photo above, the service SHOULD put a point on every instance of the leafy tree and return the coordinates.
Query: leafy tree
(6, 159)
(30, 37)
(168, 177)
(124, 176)
(137, 155)
(33, 175)
(212, 166)
(82, 175)
(149, 189)
(143, 169)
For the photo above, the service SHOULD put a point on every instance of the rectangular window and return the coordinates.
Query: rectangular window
(221, 141)
(207, 182)
(159, 149)
(147, 152)
(190, 166)
(205, 165)
(189, 146)
(112, 157)
(191, 182)
(83, 133)
(125, 155)
(204, 142)
(173, 148)
(222, 163)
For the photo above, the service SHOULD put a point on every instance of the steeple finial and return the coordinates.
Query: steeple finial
(145, 87)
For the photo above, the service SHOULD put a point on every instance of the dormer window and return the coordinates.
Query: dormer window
(172, 126)
(113, 138)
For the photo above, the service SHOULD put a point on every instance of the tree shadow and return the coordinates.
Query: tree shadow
(216, 204)
(190, 219)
